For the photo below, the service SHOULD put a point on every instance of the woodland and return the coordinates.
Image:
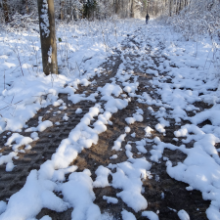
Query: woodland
(109, 109)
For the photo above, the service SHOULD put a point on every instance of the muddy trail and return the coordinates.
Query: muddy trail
(165, 195)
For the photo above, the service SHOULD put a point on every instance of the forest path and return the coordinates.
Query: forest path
(164, 195)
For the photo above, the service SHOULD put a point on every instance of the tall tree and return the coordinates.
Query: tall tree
(6, 10)
(48, 36)
(61, 9)
(89, 7)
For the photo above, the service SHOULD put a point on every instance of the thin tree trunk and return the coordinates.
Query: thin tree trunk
(117, 6)
(26, 6)
(61, 10)
(148, 5)
(5, 9)
(48, 36)
(132, 8)
(170, 8)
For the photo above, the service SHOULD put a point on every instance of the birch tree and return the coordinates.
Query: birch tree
(48, 36)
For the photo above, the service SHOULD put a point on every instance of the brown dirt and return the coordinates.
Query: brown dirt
(175, 195)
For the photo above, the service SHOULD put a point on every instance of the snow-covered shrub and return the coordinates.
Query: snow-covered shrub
(198, 19)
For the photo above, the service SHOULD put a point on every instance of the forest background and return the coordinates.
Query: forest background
(193, 18)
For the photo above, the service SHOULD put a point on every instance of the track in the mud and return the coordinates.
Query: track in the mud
(175, 194)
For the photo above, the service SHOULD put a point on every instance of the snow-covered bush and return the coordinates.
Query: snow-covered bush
(197, 19)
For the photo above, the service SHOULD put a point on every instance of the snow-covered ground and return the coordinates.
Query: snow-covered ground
(185, 74)
(23, 87)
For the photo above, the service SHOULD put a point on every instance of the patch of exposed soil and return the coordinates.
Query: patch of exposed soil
(163, 193)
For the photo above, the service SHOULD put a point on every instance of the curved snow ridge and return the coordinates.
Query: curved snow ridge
(128, 177)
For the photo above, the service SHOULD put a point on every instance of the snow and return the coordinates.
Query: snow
(127, 215)
(34, 136)
(41, 127)
(140, 146)
(128, 152)
(2, 124)
(115, 156)
(23, 96)
(3, 206)
(109, 90)
(183, 215)
(150, 215)
(65, 117)
(45, 20)
(102, 177)
(78, 111)
(19, 140)
(78, 191)
(28, 202)
(127, 129)
(7, 159)
(137, 116)
(46, 217)
(45, 179)
(110, 199)
(148, 131)
(133, 135)
(128, 178)
(159, 127)
(118, 142)
(191, 78)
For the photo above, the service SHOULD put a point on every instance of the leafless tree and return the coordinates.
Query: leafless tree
(6, 10)
(48, 36)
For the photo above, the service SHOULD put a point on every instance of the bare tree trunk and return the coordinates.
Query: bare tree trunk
(26, 6)
(6, 11)
(148, 5)
(132, 8)
(61, 10)
(170, 8)
(117, 6)
(48, 36)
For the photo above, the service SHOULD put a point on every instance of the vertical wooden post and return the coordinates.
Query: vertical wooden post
(48, 36)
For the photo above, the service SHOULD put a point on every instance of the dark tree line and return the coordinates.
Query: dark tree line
(77, 9)
(175, 6)
(49, 10)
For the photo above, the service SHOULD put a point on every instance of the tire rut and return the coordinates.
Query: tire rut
(161, 191)
(49, 140)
